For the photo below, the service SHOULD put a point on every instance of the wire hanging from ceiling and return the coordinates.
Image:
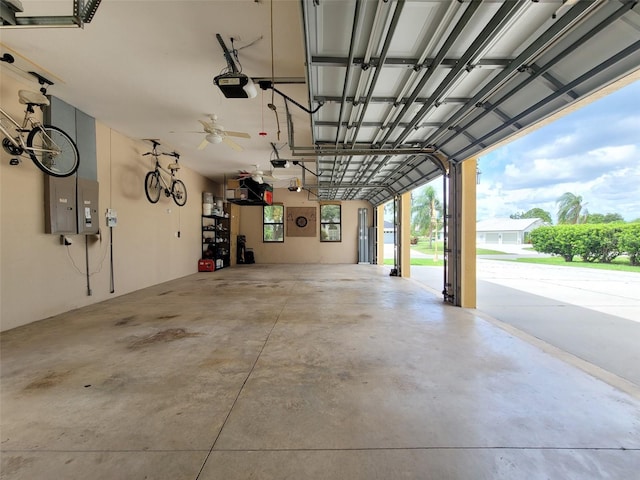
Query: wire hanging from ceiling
(262, 132)
(272, 105)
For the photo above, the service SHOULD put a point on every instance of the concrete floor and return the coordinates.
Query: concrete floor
(300, 372)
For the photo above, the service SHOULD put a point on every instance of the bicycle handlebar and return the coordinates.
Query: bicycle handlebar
(156, 154)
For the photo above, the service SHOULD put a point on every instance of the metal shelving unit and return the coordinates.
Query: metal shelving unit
(216, 243)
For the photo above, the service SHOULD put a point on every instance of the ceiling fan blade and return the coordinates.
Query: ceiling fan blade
(232, 144)
(237, 134)
(203, 145)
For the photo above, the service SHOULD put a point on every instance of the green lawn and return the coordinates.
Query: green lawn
(425, 262)
(423, 247)
(620, 264)
(486, 251)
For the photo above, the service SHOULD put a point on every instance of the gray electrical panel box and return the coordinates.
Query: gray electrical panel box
(87, 195)
(60, 205)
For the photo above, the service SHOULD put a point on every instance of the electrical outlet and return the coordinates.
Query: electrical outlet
(112, 217)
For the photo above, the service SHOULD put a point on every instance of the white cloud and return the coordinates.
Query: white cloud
(608, 179)
(593, 152)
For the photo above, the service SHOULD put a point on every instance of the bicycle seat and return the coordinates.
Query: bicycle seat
(174, 166)
(28, 97)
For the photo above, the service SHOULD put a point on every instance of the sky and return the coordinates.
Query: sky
(593, 152)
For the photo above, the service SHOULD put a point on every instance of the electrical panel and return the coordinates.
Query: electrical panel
(71, 205)
(60, 205)
(87, 195)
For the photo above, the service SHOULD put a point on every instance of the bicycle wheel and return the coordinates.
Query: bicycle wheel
(53, 151)
(152, 186)
(179, 192)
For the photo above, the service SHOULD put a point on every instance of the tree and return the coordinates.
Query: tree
(600, 218)
(559, 240)
(390, 211)
(534, 213)
(630, 242)
(571, 209)
(613, 217)
(595, 218)
(425, 210)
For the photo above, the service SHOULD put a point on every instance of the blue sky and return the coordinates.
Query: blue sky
(593, 152)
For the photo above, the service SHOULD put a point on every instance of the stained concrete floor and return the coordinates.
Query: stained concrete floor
(300, 372)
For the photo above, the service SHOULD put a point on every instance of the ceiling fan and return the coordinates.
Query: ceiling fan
(256, 175)
(216, 133)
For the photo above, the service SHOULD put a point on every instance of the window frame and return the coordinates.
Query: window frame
(265, 223)
(323, 223)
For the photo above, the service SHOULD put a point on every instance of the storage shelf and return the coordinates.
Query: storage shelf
(216, 239)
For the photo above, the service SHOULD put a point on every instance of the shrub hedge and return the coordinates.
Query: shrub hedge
(592, 242)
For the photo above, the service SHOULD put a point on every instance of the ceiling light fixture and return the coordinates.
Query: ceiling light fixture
(214, 138)
(294, 185)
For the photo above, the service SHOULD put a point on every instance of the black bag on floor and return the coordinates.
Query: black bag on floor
(248, 257)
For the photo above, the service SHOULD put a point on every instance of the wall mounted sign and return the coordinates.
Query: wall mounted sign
(301, 221)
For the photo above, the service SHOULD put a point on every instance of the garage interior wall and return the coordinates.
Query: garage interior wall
(303, 249)
(152, 243)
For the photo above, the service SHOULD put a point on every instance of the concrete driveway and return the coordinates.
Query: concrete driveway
(591, 314)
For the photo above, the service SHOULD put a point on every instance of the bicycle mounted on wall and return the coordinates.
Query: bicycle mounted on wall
(51, 148)
(155, 183)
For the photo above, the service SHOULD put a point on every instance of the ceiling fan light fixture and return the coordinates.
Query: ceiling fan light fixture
(214, 138)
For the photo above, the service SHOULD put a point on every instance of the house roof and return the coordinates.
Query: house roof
(506, 224)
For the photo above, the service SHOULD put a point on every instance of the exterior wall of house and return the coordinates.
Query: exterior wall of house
(506, 236)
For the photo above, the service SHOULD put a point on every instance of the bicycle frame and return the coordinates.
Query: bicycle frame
(28, 121)
(20, 129)
(159, 168)
(155, 182)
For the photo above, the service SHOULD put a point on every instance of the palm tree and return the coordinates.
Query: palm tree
(425, 210)
(571, 209)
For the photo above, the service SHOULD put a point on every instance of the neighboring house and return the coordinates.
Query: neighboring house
(506, 230)
(389, 231)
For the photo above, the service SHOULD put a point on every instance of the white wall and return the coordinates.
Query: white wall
(303, 249)
(40, 278)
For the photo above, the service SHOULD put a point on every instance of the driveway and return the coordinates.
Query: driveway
(592, 314)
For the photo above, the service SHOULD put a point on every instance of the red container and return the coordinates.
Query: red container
(206, 265)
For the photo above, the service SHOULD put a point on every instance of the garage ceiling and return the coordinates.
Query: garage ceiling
(404, 85)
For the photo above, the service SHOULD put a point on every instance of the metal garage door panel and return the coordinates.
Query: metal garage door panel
(510, 238)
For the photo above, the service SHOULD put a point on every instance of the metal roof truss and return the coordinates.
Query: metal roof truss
(409, 85)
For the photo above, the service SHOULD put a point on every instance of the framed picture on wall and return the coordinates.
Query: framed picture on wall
(301, 221)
